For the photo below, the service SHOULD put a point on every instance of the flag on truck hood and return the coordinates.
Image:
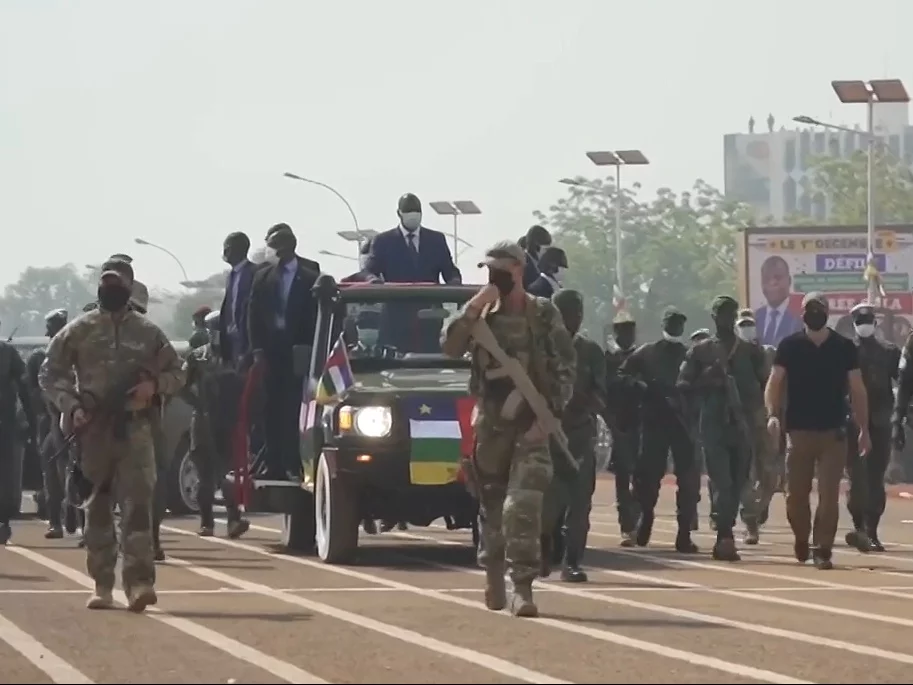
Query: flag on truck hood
(337, 377)
(440, 429)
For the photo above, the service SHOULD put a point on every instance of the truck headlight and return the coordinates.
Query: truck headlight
(372, 422)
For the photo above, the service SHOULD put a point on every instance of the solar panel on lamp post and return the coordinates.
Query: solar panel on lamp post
(868, 93)
(454, 209)
(617, 158)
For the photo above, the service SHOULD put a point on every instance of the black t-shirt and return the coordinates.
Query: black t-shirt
(816, 380)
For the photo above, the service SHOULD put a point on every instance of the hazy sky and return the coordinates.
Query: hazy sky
(174, 120)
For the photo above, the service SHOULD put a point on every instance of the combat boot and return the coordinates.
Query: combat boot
(54, 532)
(521, 601)
(725, 550)
(859, 539)
(495, 589)
(572, 573)
(237, 528)
(872, 532)
(645, 528)
(140, 597)
(627, 539)
(683, 542)
(752, 532)
(103, 598)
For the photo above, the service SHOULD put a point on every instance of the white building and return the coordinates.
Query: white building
(768, 169)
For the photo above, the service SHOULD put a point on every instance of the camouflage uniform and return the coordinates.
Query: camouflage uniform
(623, 418)
(879, 361)
(724, 426)
(512, 472)
(13, 386)
(88, 357)
(657, 365)
(764, 469)
(203, 391)
(569, 498)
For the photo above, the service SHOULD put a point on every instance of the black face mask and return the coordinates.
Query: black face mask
(815, 319)
(502, 280)
(675, 327)
(113, 297)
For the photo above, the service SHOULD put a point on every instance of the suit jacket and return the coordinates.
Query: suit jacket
(787, 324)
(238, 317)
(541, 287)
(392, 259)
(530, 270)
(300, 310)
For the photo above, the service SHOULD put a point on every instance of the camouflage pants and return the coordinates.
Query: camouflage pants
(513, 476)
(162, 463)
(763, 473)
(569, 498)
(131, 463)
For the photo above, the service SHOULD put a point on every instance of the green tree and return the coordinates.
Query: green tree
(678, 248)
(38, 291)
(841, 181)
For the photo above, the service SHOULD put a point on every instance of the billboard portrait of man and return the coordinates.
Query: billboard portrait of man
(774, 320)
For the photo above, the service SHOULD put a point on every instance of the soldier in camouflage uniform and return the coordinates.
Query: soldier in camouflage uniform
(200, 335)
(205, 368)
(82, 367)
(512, 464)
(570, 497)
(623, 418)
(656, 365)
(878, 361)
(726, 376)
(763, 471)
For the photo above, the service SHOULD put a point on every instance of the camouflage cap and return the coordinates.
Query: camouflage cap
(623, 316)
(815, 299)
(671, 313)
(723, 301)
(700, 334)
(119, 268)
(505, 254)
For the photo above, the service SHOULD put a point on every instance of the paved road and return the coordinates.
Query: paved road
(411, 612)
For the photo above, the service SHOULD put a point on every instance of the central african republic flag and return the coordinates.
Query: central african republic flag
(440, 429)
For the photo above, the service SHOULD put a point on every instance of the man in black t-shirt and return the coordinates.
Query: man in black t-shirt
(818, 366)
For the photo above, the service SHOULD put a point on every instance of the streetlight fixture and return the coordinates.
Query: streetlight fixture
(868, 93)
(140, 241)
(454, 209)
(616, 158)
(336, 254)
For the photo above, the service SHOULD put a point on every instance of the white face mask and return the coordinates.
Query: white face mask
(747, 333)
(671, 338)
(411, 220)
(864, 330)
(560, 275)
(269, 254)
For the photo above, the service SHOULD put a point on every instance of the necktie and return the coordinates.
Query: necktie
(772, 326)
(410, 241)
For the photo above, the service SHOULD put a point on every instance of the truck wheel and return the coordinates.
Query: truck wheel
(336, 508)
(183, 485)
(298, 525)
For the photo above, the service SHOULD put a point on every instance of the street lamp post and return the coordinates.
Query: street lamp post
(140, 241)
(617, 158)
(357, 237)
(454, 209)
(870, 92)
(360, 235)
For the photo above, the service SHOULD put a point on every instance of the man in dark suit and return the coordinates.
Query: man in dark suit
(552, 265)
(537, 238)
(233, 313)
(282, 314)
(410, 252)
(774, 320)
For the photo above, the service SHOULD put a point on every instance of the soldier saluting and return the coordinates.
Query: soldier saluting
(513, 467)
(726, 377)
(624, 412)
(657, 365)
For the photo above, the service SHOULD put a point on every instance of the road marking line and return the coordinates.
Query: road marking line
(732, 668)
(818, 641)
(492, 663)
(281, 669)
(58, 670)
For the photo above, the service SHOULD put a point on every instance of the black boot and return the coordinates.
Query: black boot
(572, 573)
(645, 528)
(683, 542)
(872, 531)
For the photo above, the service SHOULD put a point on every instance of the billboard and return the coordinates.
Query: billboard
(783, 264)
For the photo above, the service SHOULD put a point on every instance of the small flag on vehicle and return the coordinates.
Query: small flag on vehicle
(439, 434)
(337, 376)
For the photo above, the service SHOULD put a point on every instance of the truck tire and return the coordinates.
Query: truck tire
(336, 513)
(183, 484)
(298, 525)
